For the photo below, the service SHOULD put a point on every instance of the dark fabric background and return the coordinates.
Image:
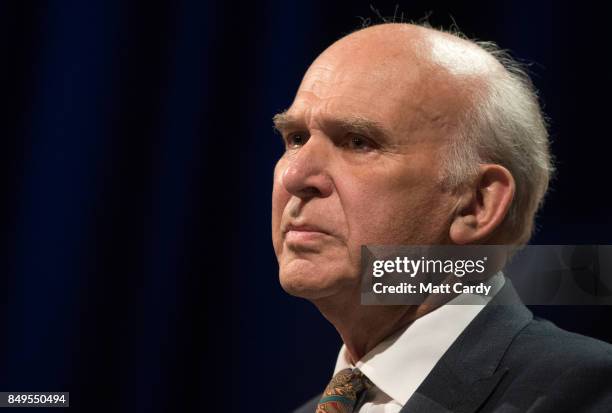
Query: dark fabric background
(137, 270)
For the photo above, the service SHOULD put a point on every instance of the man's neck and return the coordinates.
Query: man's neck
(363, 327)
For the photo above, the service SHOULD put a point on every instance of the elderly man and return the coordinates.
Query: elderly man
(405, 135)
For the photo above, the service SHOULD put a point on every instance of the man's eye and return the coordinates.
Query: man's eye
(359, 143)
(296, 139)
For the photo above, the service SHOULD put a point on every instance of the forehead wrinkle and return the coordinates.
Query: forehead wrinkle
(410, 102)
(344, 74)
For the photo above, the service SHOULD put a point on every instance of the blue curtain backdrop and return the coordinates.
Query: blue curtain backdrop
(137, 270)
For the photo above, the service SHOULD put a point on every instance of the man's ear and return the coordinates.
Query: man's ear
(482, 207)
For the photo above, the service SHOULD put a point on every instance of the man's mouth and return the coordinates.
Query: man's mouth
(299, 234)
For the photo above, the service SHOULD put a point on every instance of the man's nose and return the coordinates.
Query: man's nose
(307, 175)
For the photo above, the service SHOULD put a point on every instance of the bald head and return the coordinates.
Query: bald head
(434, 75)
(432, 49)
(426, 54)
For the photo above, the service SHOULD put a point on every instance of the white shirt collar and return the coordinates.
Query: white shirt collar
(398, 365)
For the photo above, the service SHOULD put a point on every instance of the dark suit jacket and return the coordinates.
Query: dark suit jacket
(507, 361)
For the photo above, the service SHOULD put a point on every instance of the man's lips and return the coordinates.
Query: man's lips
(304, 228)
(303, 233)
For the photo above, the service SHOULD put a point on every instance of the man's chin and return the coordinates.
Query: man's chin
(315, 286)
(302, 290)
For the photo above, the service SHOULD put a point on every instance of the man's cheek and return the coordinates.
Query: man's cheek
(277, 214)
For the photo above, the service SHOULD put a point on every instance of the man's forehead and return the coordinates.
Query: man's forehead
(309, 110)
(348, 89)
(359, 78)
(394, 104)
(363, 62)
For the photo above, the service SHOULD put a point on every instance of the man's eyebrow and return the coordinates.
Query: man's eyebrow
(355, 124)
(283, 121)
(360, 126)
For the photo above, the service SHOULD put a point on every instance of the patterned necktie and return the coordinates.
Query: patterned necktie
(341, 393)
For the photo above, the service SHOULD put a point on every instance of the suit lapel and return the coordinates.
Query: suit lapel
(468, 372)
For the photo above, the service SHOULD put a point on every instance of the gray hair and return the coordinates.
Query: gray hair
(505, 126)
